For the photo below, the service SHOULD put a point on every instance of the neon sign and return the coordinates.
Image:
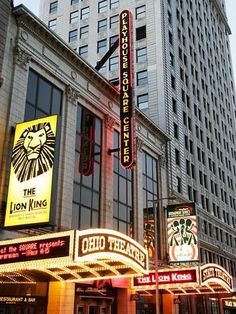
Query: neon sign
(126, 101)
(101, 243)
(211, 272)
(167, 277)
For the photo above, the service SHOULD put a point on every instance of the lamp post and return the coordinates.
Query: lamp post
(155, 216)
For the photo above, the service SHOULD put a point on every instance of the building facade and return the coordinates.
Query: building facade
(184, 83)
(50, 248)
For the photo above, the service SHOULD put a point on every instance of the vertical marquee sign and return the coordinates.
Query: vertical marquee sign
(86, 160)
(126, 82)
(31, 174)
(182, 233)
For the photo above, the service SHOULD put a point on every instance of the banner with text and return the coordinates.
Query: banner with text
(182, 234)
(31, 174)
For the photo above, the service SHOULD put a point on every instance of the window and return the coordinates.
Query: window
(122, 194)
(53, 7)
(87, 189)
(140, 12)
(102, 25)
(150, 192)
(84, 32)
(113, 64)
(142, 78)
(142, 101)
(73, 35)
(74, 2)
(74, 16)
(141, 32)
(84, 13)
(114, 21)
(83, 51)
(102, 6)
(102, 46)
(141, 55)
(114, 4)
(52, 24)
(177, 157)
(43, 98)
(113, 39)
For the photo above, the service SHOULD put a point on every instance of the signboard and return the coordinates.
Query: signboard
(27, 300)
(86, 159)
(126, 91)
(24, 251)
(99, 243)
(182, 234)
(166, 277)
(31, 173)
(214, 273)
(230, 303)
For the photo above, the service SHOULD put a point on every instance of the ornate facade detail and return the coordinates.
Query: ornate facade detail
(109, 121)
(21, 57)
(139, 144)
(72, 94)
(162, 160)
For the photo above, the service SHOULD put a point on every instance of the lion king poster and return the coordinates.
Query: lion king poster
(31, 173)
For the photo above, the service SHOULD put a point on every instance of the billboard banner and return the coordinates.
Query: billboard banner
(126, 91)
(31, 173)
(182, 234)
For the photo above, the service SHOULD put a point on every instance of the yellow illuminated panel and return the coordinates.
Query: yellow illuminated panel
(30, 185)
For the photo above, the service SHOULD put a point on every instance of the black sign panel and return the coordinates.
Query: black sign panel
(87, 143)
(126, 101)
(35, 250)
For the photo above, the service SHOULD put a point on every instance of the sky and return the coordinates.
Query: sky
(33, 5)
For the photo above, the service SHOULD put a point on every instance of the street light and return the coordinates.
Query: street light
(155, 208)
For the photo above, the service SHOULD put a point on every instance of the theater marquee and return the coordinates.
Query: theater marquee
(73, 256)
(31, 174)
(126, 91)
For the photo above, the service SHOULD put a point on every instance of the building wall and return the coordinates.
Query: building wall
(191, 96)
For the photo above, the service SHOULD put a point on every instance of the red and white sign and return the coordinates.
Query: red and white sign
(167, 277)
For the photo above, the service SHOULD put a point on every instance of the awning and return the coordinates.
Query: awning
(73, 255)
(204, 279)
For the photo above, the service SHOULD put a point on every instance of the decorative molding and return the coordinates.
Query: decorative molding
(109, 122)
(162, 160)
(72, 94)
(139, 144)
(21, 57)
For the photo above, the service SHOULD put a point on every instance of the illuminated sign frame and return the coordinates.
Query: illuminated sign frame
(126, 91)
(95, 244)
(218, 273)
(182, 234)
(72, 256)
(30, 188)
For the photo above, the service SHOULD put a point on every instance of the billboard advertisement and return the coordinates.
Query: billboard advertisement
(182, 234)
(31, 174)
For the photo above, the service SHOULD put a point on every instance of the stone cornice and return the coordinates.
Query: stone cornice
(34, 25)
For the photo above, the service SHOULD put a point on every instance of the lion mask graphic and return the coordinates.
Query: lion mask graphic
(33, 153)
